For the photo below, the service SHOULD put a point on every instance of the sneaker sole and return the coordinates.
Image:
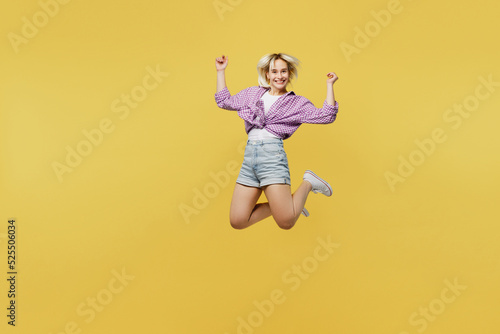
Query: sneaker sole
(305, 212)
(322, 181)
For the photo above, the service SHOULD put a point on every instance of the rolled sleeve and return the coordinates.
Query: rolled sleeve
(325, 115)
(221, 97)
(236, 102)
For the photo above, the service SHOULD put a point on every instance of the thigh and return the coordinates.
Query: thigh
(280, 200)
(243, 201)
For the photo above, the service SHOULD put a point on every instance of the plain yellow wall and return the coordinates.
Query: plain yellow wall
(119, 167)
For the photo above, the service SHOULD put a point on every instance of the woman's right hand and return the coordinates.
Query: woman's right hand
(221, 63)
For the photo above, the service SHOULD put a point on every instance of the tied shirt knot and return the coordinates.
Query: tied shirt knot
(258, 113)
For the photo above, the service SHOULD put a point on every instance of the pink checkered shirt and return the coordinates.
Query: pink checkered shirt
(285, 116)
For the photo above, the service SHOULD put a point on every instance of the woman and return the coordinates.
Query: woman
(272, 114)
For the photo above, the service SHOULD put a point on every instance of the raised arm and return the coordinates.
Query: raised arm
(330, 96)
(308, 113)
(220, 65)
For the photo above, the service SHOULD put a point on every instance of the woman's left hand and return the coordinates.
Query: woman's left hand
(332, 77)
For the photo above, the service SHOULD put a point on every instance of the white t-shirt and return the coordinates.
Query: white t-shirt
(263, 133)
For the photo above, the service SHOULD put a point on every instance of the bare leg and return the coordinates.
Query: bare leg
(284, 206)
(244, 210)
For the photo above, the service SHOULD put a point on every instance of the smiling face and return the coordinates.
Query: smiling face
(278, 76)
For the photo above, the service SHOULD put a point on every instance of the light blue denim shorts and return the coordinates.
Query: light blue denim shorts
(265, 162)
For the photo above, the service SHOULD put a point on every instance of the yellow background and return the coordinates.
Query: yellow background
(120, 208)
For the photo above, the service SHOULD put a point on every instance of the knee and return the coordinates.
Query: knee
(286, 223)
(237, 223)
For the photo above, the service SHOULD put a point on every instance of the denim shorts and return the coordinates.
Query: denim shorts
(265, 162)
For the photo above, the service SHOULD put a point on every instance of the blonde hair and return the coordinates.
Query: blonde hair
(266, 64)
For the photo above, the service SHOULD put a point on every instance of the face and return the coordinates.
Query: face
(278, 75)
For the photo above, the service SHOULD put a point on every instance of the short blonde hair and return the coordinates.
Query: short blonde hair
(266, 64)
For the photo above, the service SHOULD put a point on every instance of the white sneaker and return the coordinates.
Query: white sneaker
(305, 212)
(318, 184)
